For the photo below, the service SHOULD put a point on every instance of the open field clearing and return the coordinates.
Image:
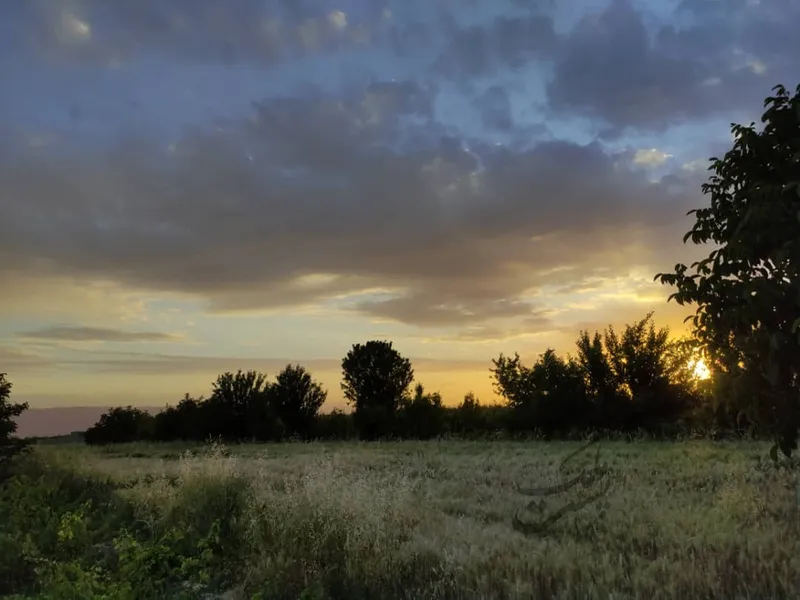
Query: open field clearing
(434, 520)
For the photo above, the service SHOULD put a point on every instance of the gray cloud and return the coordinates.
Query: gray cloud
(495, 108)
(320, 196)
(196, 31)
(507, 42)
(365, 189)
(12, 360)
(623, 66)
(612, 68)
(137, 363)
(539, 323)
(73, 333)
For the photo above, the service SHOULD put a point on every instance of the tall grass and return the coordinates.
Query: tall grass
(433, 520)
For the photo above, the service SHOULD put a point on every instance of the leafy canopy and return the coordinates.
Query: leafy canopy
(375, 374)
(297, 399)
(9, 445)
(237, 391)
(747, 291)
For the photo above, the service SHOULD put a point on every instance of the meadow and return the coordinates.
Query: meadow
(350, 520)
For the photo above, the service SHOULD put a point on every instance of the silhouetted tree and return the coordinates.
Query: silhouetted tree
(609, 406)
(746, 291)
(181, 422)
(297, 398)
(10, 446)
(120, 425)
(466, 418)
(233, 399)
(550, 396)
(375, 379)
(422, 416)
(650, 371)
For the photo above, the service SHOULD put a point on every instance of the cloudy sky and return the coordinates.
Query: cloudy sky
(192, 186)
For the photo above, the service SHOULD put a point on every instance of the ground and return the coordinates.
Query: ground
(685, 520)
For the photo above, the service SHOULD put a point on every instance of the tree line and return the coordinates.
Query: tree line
(639, 380)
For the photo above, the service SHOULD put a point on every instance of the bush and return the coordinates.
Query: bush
(121, 425)
(10, 446)
(421, 417)
(67, 536)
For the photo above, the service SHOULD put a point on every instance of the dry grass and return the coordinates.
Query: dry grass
(688, 520)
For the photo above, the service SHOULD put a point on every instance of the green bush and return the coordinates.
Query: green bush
(67, 536)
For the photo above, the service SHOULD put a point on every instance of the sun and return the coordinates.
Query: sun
(699, 369)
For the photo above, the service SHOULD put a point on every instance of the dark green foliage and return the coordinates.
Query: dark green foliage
(650, 372)
(550, 396)
(375, 379)
(232, 397)
(297, 398)
(243, 406)
(48, 515)
(66, 536)
(264, 421)
(468, 418)
(10, 446)
(747, 291)
(639, 379)
(335, 425)
(181, 422)
(422, 416)
(120, 425)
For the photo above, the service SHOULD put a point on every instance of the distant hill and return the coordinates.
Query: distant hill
(63, 420)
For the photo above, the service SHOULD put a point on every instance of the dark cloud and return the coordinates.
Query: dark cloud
(438, 310)
(363, 195)
(610, 69)
(72, 333)
(507, 42)
(193, 30)
(495, 108)
(401, 98)
(613, 68)
(622, 66)
(323, 196)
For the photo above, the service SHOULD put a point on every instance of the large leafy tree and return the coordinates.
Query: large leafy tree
(747, 290)
(233, 398)
(10, 446)
(376, 377)
(651, 371)
(297, 399)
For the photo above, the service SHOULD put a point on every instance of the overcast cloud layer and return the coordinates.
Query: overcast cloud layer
(435, 164)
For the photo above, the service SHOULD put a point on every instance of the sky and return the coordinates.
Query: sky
(189, 186)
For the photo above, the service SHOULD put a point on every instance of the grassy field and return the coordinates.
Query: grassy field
(408, 520)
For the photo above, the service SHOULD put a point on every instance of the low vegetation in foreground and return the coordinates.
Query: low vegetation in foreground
(398, 520)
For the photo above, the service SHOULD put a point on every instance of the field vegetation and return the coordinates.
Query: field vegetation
(399, 520)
